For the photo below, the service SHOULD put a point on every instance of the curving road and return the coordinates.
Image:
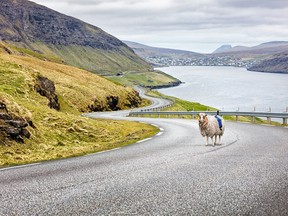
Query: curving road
(173, 173)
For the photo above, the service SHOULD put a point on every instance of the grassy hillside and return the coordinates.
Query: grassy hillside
(103, 62)
(58, 134)
(149, 79)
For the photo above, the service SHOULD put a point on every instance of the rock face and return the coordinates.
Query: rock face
(24, 21)
(12, 128)
(46, 88)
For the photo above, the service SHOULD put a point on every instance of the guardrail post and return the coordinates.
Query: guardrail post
(237, 117)
(285, 119)
(269, 118)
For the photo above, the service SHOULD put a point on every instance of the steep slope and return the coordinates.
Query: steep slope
(31, 128)
(80, 44)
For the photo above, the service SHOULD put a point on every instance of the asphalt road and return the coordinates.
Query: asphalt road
(173, 173)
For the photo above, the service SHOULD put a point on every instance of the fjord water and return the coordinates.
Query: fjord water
(230, 88)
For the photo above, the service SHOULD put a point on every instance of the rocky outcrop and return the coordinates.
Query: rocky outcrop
(134, 99)
(46, 88)
(113, 103)
(11, 127)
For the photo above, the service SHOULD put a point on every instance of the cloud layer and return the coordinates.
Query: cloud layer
(197, 25)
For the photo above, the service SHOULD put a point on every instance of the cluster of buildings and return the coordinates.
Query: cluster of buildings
(199, 61)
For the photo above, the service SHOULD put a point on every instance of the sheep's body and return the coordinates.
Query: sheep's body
(209, 127)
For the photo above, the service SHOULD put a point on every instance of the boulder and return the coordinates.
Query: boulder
(46, 88)
(13, 128)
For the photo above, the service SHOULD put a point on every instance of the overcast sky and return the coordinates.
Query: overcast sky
(195, 25)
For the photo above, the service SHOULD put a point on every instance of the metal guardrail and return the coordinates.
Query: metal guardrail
(268, 115)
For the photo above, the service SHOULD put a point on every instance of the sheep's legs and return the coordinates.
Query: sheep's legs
(215, 142)
(207, 140)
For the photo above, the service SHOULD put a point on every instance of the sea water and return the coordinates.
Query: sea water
(230, 88)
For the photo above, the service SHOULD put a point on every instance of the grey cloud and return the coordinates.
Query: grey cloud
(201, 20)
(270, 4)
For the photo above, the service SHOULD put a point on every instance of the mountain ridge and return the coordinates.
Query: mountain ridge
(49, 26)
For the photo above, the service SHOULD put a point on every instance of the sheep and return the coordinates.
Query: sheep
(209, 127)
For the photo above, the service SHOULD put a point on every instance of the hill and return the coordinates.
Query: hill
(40, 107)
(277, 63)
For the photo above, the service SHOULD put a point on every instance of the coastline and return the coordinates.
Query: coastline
(273, 72)
(172, 84)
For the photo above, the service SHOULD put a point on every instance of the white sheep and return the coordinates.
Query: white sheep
(209, 127)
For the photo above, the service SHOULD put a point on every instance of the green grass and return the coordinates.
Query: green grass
(65, 133)
(181, 105)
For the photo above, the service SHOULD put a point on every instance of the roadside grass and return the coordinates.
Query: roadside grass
(64, 133)
(183, 105)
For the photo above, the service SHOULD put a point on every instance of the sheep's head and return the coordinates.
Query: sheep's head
(202, 119)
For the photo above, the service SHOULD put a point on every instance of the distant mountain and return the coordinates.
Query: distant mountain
(161, 56)
(268, 48)
(41, 29)
(223, 48)
(265, 57)
(144, 50)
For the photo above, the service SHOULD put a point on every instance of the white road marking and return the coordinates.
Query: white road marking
(155, 125)
(101, 152)
(159, 134)
(144, 140)
(161, 129)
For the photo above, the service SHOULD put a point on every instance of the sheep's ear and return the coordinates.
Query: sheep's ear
(205, 115)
